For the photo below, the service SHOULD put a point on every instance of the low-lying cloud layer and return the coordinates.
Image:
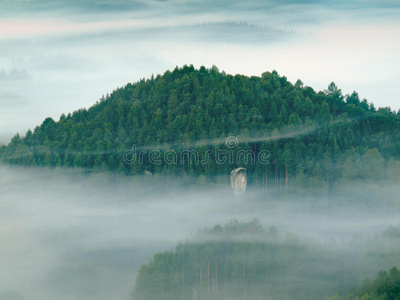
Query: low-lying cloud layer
(67, 235)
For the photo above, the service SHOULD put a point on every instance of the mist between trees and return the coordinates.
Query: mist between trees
(88, 234)
(242, 260)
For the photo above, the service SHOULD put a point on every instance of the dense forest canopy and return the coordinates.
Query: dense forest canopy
(311, 140)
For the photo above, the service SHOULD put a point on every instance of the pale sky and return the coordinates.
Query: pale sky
(59, 56)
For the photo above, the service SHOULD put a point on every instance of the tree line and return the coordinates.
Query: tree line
(244, 260)
(314, 140)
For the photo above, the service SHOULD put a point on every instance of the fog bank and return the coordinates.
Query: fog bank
(65, 234)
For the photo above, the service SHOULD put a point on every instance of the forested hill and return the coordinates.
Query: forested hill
(308, 139)
(243, 260)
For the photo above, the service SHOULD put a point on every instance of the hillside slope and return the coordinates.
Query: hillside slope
(298, 138)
